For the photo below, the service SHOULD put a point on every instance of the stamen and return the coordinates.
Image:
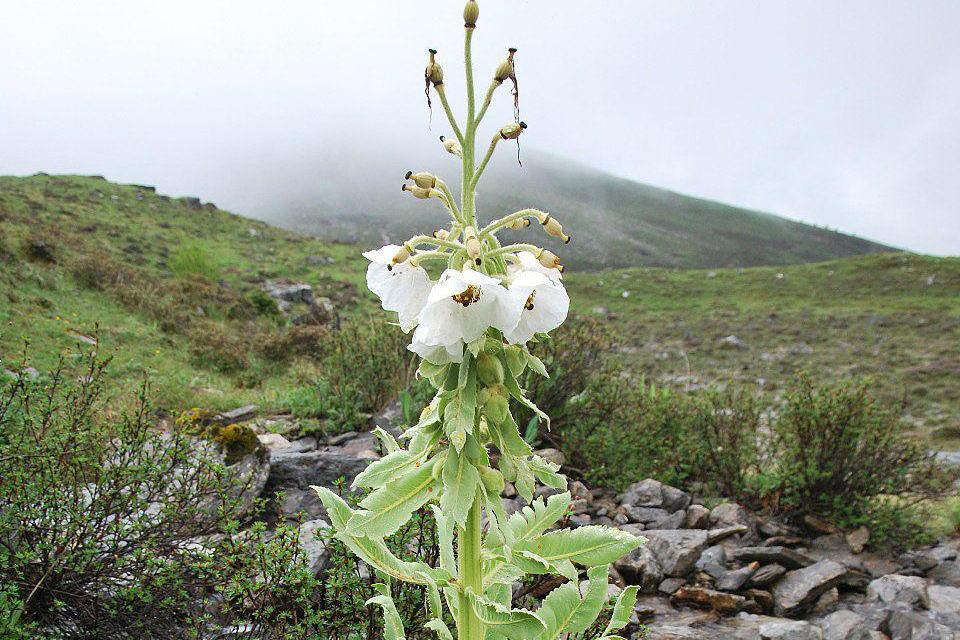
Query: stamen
(470, 295)
(529, 304)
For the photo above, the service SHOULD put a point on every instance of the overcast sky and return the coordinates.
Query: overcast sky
(843, 113)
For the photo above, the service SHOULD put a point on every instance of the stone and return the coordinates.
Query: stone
(552, 455)
(640, 567)
(674, 499)
(302, 445)
(300, 503)
(733, 580)
(732, 342)
(908, 625)
(819, 525)
(673, 521)
(250, 475)
(766, 555)
(911, 590)
(322, 468)
(273, 441)
(790, 630)
(646, 493)
(727, 514)
(948, 573)
(670, 586)
(287, 293)
(829, 598)
(676, 550)
(645, 515)
(844, 625)
(763, 598)
(723, 603)
(236, 415)
(698, 517)
(858, 539)
(712, 561)
(801, 587)
(716, 535)
(766, 575)
(942, 599)
(314, 547)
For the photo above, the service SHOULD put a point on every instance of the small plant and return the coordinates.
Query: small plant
(194, 259)
(470, 328)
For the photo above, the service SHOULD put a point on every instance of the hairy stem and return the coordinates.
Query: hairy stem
(470, 571)
(446, 108)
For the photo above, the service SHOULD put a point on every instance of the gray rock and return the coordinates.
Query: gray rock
(712, 561)
(734, 580)
(641, 567)
(858, 539)
(300, 503)
(943, 599)
(844, 625)
(948, 573)
(236, 415)
(723, 603)
(273, 442)
(286, 293)
(766, 575)
(302, 445)
(313, 547)
(250, 476)
(673, 521)
(674, 499)
(767, 555)
(728, 514)
(801, 587)
(676, 550)
(646, 493)
(670, 586)
(790, 630)
(716, 535)
(732, 342)
(698, 517)
(645, 515)
(909, 625)
(322, 468)
(911, 590)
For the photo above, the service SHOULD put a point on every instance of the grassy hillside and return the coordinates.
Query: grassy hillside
(173, 288)
(617, 222)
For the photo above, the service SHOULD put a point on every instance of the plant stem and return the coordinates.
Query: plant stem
(468, 206)
(470, 573)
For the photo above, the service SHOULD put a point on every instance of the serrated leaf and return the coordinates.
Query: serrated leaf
(548, 473)
(516, 624)
(524, 482)
(375, 552)
(502, 573)
(540, 515)
(508, 438)
(622, 611)
(436, 625)
(460, 482)
(392, 624)
(570, 609)
(463, 372)
(383, 471)
(460, 412)
(517, 394)
(594, 598)
(445, 540)
(476, 346)
(390, 444)
(536, 364)
(587, 546)
(388, 508)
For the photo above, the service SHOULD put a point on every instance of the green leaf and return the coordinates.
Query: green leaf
(463, 371)
(533, 430)
(437, 625)
(390, 444)
(445, 540)
(389, 468)
(536, 364)
(622, 611)
(516, 624)
(547, 473)
(517, 393)
(587, 546)
(524, 482)
(594, 598)
(528, 523)
(502, 573)
(460, 412)
(565, 610)
(392, 624)
(460, 481)
(388, 508)
(508, 438)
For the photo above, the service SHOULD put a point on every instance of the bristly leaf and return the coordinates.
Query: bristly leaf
(528, 523)
(445, 540)
(388, 508)
(387, 469)
(622, 611)
(390, 444)
(547, 473)
(461, 411)
(588, 546)
(536, 364)
(516, 624)
(392, 624)
(436, 625)
(460, 482)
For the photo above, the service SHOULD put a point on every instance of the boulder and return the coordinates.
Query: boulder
(673, 521)
(670, 586)
(767, 555)
(728, 514)
(322, 468)
(645, 515)
(790, 630)
(698, 517)
(712, 561)
(646, 493)
(300, 503)
(674, 499)
(250, 476)
(676, 550)
(942, 599)
(641, 567)
(844, 625)
(904, 624)
(273, 441)
(911, 590)
(734, 580)
(313, 546)
(716, 535)
(723, 603)
(947, 573)
(801, 587)
(858, 539)
(766, 574)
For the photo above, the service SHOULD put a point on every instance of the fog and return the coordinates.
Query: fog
(844, 114)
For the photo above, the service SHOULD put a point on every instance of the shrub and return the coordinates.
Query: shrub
(40, 249)
(99, 271)
(194, 259)
(304, 341)
(216, 349)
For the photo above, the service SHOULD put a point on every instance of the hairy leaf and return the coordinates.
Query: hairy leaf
(388, 508)
(460, 482)
(588, 546)
(516, 624)
(392, 624)
(622, 611)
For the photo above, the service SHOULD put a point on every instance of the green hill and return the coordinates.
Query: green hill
(174, 288)
(617, 222)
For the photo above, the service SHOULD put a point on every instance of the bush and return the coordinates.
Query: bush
(193, 259)
(99, 271)
(214, 348)
(309, 341)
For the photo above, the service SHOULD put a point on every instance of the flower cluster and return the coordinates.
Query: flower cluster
(462, 304)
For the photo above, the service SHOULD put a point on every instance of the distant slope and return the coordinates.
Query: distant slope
(615, 222)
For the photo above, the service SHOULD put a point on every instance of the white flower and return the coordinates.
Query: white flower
(529, 262)
(460, 309)
(545, 304)
(402, 287)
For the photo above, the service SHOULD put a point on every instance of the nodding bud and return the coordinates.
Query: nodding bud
(470, 14)
(434, 72)
(418, 192)
(489, 369)
(513, 130)
(553, 228)
(549, 259)
(452, 146)
(441, 234)
(402, 255)
(496, 408)
(472, 244)
(422, 179)
(506, 68)
(519, 223)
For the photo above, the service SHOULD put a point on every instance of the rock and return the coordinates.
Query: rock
(314, 548)
(698, 517)
(676, 550)
(728, 514)
(300, 503)
(766, 575)
(646, 493)
(948, 573)
(322, 468)
(641, 567)
(236, 415)
(319, 312)
(674, 499)
(819, 525)
(552, 455)
(761, 597)
(250, 475)
(829, 598)
(897, 588)
(716, 535)
(767, 555)
(273, 441)
(673, 521)
(732, 342)
(670, 586)
(844, 625)
(858, 539)
(942, 599)
(733, 580)
(287, 293)
(723, 603)
(801, 587)
(908, 625)
(645, 515)
(790, 630)
(302, 445)
(712, 561)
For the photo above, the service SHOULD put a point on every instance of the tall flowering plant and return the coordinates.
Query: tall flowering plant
(471, 326)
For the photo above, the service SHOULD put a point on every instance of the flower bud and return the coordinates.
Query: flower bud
(422, 179)
(553, 228)
(519, 223)
(492, 480)
(516, 361)
(473, 246)
(549, 259)
(433, 74)
(452, 146)
(506, 68)
(418, 192)
(497, 408)
(513, 130)
(441, 234)
(470, 14)
(489, 369)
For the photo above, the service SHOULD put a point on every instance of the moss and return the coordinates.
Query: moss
(237, 441)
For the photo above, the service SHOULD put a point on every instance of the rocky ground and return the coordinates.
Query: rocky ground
(705, 573)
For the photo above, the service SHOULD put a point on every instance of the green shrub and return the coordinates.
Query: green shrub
(214, 348)
(194, 259)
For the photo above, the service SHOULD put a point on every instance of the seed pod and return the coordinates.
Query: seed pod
(433, 74)
(452, 146)
(497, 408)
(418, 192)
(519, 223)
(489, 369)
(506, 68)
(513, 130)
(422, 179)
(441, 234)
(470, 14)
(549, 259)
(553, 228)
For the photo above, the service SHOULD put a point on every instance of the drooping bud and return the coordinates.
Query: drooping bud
(516, 361)
(422, 179)
(549, 259)
(452, 146)
(470, 14)
(513, 130)
(489, 369)
(554, 228)
(497, 408)
(418, 192)
(473, 246)
(401, 256)
(492, 480)
(506, 68)
(433, 74)
(519, 223)
(441, 234)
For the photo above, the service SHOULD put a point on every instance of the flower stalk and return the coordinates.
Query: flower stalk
(471, 327)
